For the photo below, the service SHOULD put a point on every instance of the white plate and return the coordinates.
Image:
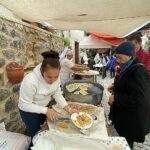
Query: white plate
(74, 118)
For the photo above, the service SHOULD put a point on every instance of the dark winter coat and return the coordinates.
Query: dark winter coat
(131, 108)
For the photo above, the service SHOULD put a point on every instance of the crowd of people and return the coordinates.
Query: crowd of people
(107, 61)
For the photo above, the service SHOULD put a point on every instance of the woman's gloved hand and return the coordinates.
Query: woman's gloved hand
(51, 115)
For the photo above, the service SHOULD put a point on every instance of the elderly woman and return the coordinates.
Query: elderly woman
(130, 101)
(67, 68)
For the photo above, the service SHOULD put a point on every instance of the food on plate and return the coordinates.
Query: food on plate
(91, 109)
(82, 120)
(63, 125)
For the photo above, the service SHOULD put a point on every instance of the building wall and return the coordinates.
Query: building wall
(23, 44)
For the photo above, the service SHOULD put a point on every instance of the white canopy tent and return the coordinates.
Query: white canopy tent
(116, 17)
(93, 42)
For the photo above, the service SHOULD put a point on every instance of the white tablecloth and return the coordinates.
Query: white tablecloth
(55, 139)
(98, 131)
(48, 140)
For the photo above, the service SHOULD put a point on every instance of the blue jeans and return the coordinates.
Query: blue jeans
(32, 121)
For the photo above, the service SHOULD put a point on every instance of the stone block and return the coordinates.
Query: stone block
(4, 93)
(4, 28)
(14, 33)
(3, 41)
(16, 88)
(2, 62)
(16, 44)
(10, 105)
(13, 115)
(9, 54)
(8, 126)
(2, 119)
(2, 81)
(1, 22)
(22, 60)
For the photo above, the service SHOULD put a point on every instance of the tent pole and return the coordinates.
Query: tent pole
(76, 52)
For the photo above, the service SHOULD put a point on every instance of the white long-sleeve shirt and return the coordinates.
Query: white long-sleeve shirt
(35, 93)
(66, 72)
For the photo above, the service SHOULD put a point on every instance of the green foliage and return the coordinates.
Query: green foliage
(67, 42)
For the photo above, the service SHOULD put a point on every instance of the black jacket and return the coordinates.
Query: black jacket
(131, 108)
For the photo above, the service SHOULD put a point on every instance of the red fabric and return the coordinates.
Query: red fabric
(145, 57)
(113, 40)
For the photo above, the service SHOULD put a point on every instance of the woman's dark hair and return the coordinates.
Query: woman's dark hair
(51, 60)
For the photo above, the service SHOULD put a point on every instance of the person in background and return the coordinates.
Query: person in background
(98, 63)
(67, 68)
(130, 99)
(37, 90)
(91, 63)
(63, 54)
(84, 58)
(105, 61)
(111, 66)
(98, 58)
(144, 56)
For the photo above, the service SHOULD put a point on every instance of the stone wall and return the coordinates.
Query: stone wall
(23, 44)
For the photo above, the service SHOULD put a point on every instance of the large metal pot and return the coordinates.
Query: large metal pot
(94, 97)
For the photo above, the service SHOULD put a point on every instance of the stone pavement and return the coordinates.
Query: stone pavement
(106, 82)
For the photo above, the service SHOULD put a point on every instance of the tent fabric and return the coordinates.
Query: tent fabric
(93, 42)
(113, 40)
(115, 17)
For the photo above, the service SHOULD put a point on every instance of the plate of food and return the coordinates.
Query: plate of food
(82, 120)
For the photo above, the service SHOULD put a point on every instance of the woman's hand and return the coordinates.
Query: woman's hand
(110, 88)
(51, 115)
(70, 110)
(111, 100)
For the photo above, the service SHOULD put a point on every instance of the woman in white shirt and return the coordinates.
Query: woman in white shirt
(67, 68)
(37, 89)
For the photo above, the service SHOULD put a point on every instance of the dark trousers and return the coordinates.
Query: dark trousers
(104, 72)
(100, 71)
(32, 121)
(112, 73)
(130, 143)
